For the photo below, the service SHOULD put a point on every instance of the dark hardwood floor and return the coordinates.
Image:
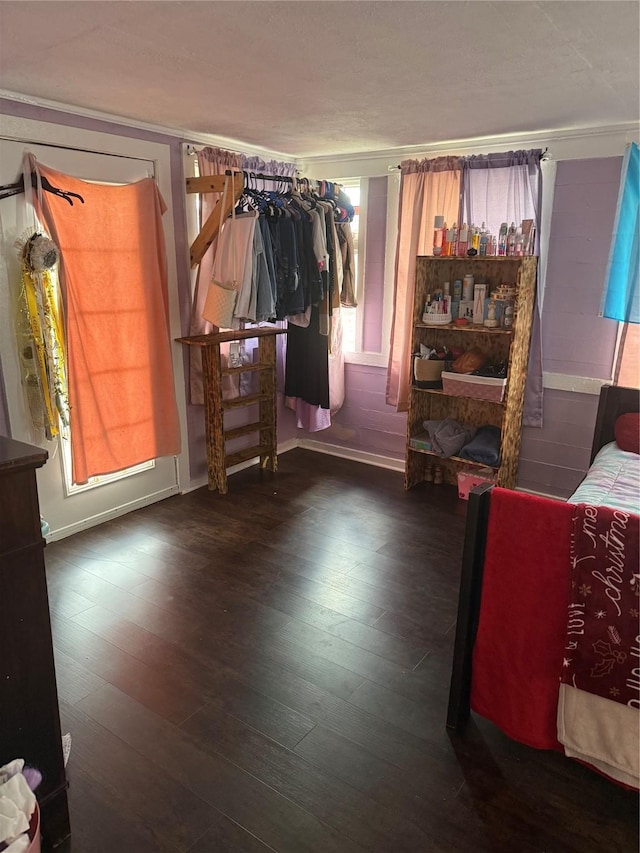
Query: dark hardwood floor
(269, 670)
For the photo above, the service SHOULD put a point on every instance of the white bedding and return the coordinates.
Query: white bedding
(612, 480)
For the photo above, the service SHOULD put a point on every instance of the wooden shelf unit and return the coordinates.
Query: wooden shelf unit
(218, 460)
(510, 345)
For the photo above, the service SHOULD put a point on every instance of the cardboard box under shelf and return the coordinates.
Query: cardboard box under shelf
(468, 479)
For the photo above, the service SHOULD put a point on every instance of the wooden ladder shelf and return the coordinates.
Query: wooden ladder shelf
(218, 461)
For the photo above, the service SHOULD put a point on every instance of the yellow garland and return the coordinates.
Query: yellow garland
(45, 330)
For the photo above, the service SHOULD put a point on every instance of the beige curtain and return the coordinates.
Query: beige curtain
(428, 188)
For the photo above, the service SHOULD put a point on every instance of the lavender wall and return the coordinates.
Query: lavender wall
(575, 340)
(365, 422)
(554, 459)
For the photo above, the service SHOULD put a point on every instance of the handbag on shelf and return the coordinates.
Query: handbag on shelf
(222, 293)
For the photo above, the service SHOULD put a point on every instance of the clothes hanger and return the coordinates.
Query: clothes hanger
(18, 187)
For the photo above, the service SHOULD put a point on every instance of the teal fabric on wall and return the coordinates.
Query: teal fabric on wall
(621, 299)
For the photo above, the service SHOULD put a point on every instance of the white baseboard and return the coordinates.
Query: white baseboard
(389, 462)
(107, 515)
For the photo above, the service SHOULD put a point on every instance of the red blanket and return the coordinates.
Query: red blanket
(602, 650)
(519, 648)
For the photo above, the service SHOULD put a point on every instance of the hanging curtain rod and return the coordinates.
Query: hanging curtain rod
(546, 155)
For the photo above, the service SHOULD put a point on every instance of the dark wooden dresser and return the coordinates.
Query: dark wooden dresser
(29, 716)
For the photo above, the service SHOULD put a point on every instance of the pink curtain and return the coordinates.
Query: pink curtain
(428, 188)
(114, 277)
(627, 371)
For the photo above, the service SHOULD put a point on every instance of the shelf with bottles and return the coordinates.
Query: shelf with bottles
(469, 294)
(511, 241)
(505, 347)
(469, 327)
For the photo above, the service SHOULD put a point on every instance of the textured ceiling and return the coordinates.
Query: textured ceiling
(310, 78)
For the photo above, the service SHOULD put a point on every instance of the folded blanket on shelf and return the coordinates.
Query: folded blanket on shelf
(484, 447)
(448, 436)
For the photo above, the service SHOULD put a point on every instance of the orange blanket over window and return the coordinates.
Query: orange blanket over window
(114, 278)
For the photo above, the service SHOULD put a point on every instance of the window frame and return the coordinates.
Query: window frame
(360, 355)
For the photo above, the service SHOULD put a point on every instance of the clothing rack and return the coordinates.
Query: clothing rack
(215, 184)
(274, 178)
(239, 182)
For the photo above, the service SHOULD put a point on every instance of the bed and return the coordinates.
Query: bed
(547, 639)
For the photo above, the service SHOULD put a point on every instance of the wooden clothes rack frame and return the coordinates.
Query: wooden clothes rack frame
(218, 461)
(215, 184)
(210, 229)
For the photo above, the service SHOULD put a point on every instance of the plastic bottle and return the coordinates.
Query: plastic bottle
(446, 251)
(438, 235)
(463, 240)
(454, 240)
(502, 239)
(531, 245)
(507, 317)
(511, 240)
(519, 244)
(483, 240)
(475, 238)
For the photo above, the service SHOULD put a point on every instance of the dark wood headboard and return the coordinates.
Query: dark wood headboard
(614, 401)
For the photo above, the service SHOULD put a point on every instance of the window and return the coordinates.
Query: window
(349, 315)
(366, 329)
(72, 488)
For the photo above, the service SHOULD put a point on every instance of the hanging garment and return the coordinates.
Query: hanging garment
(286, 265)
(222, 293)
(113, 274)
(347, 252)
(261, 283)
(307, 368)
(267, 244)
(234, 260)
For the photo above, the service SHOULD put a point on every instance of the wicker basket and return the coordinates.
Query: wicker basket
(427, 372)
(436, 319)
(476, 387)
